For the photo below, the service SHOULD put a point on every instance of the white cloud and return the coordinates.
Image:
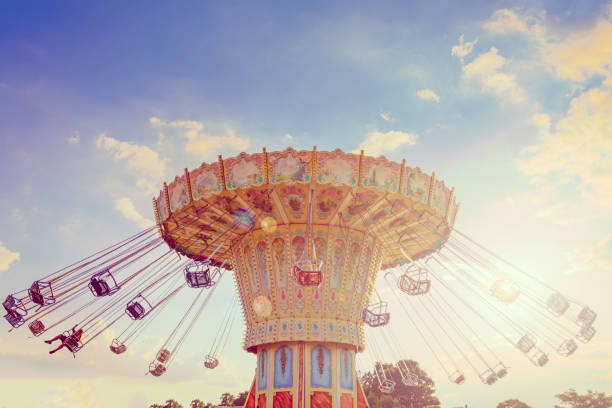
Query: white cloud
(137, 157)
(74, 139)
(7, 257)
(585, 53)
(506, 21)
(203, 144)
(377, 142)
(579, 150)
(386, 116)
(126, 208)
(75, 395)
(463, 49)
(428, 95)
(287, 138)
(485, 72)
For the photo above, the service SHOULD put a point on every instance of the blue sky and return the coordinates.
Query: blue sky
(510, 102)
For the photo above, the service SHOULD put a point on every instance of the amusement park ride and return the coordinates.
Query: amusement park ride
(304, 235)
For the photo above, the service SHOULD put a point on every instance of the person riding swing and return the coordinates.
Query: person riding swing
(69, 340)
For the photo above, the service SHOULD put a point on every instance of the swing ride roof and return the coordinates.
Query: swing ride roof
(202, 212)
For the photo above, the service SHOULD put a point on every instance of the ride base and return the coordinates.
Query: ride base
(306, 375)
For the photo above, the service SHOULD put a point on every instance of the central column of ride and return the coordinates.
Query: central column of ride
(305, 336)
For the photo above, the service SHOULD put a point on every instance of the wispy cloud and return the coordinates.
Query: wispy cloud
(74, 139)
(287, 138)
(377, 142)
(485, 72)
(204, 144)
(463, 49)
(386, 116)
(428, 95)
(7, 257)
(125, 206)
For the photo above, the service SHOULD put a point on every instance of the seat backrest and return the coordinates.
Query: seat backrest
(136, 310)
(100, 287)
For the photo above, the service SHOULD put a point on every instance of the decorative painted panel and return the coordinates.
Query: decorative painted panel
(346, 369)
(441, 194)
(346, 401)
(416, 184)
(177, 192)
(320, 399)
(282, 399)
(164, 213)
(289, 166)
(262, 370)
(244, 170)
(205, 180)
(337, 167)
(320, 367)
(283, 367)
(380, 173)
(261, 401)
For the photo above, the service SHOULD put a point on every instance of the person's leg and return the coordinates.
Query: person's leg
(59, 347)
(58, 337)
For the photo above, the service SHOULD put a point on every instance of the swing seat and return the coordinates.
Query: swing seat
(505, 290)
(210, 362)
(386, 386)
(308, 272)
(103, 283)
(118, 347)
(567, 348)
(156, 369)
(488, 377)
(163, 356)
(138, 308)
(72, 342)
(198, 275)
(586, 317)
(13, 320)
(414, 281)
(586, 334)
(14, 306)
(500, 370)
(526, 343)
(557, 304)
(376, 315)
(36, 327)
(457, 377)
(410, 379)
(41, 293)
(538, 357)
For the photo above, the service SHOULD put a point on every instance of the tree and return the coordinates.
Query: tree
(169, 404)
(227, 399)
(197, 403)
(512, 403)
(241, 398)
(571, 399)
(416, 396)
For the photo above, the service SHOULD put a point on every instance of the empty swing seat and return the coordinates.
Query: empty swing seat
(103, 283)
(586, 334)
(586, 317)
(567, 348)
(488, 377)
(386, 386)
(36, 327)
(457, 377)
(41, 293)
(500, 370)
(376, 315)
(13, 320)
(198, 275)
(138, 308)
(557, 304)
(157, 369)
(526, 343)
(117, 347)
(538, 357)
(308, 272)
(210, 362)
(414, 281)
(163, 356)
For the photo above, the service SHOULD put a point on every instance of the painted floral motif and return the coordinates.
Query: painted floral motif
(346, 374)
(278, 256)
(328, 200)
(298, 245)
(262, 383)
(320, 367)
(382, 177)
(178, 193)
(338, 263)
(163, 208)
(294, 196)
(260, 199)
(417, 184)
